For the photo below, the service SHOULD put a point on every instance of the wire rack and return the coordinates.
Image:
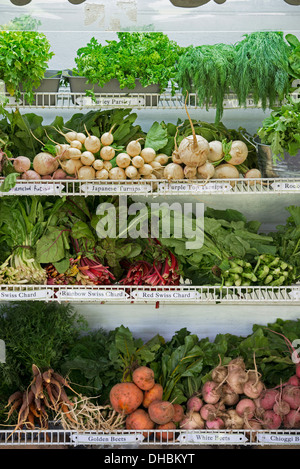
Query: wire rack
(65, 99)
(138, 439)
(148, 187)
(183, 294)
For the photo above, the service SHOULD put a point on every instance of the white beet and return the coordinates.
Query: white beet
(44, 163)
(215, 424)
(245, 408)
(253, 389)
(194, 403)
(208, 412)
(211, 392)
(233, 420)
(229, 397)
(192, 421)
(219, 373)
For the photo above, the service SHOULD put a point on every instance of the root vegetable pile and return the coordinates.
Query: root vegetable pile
(141, 402)
(45, 394)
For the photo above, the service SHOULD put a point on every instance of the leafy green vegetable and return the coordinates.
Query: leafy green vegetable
(150, 57)
(261, 68)
(207, 70)
(294, 56)
(281, 130)
(24, 57)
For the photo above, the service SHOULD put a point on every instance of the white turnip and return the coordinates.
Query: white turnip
(215, 151)
(117, 174)
(44, 163)
(73, 153)
(76, 144)
(238, 152)
(206, 171)
(102, 174)
(145, 170)
(81, 137)
(137, 161)
(134, 148)
(162, 158)
(107, 153)
(226, 171)
(92, 142)
(86, 173)
(107, 165)
(98, 165)
(190, 172)
(173, 171)
(131, 172)
(252, 174)
(148, 154)
(87, 158)
(71, 166)
(123, 160)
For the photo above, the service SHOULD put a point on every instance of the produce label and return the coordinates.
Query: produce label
(112, 439)
(26, 295)
(282, 439)
(295, 294)
(91, 294)
(286, 186)
(111, 101)
(210, 437)
(35, 189)
(209, 187)
(166, 295)
(115, 188)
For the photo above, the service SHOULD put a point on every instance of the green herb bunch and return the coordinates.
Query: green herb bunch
(261, 68)
(150, 57)
(207, 70)
(281, 130)
(24, 57)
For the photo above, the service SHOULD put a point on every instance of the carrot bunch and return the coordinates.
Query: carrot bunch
(45, 393)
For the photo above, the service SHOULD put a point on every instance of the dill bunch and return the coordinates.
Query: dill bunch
(261, 68)
(207, 70)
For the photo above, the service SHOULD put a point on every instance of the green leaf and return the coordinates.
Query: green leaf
(157, 137)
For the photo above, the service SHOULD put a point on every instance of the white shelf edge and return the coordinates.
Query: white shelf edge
(195, 438)
(124, 294)
(155, 187)
(77, 100)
